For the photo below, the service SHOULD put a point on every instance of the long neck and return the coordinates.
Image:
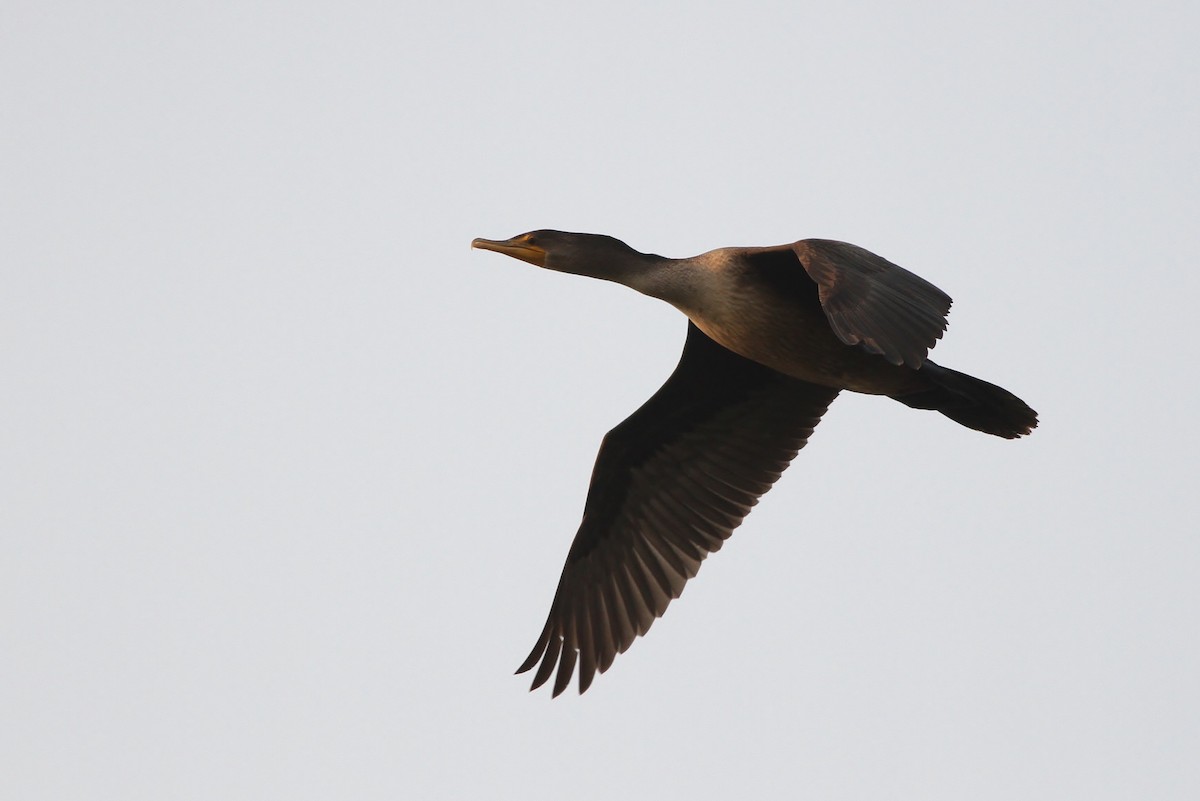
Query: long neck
(674, 280)
(691, 285)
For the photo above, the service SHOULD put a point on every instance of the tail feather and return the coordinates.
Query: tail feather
(973, 403)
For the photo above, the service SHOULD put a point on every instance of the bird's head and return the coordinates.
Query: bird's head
(593, 255)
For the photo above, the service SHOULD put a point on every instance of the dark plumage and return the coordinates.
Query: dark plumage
(773, 335)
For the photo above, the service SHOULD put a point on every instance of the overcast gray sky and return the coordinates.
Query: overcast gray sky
(289, 472)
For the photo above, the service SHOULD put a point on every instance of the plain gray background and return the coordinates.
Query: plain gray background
(289, 472)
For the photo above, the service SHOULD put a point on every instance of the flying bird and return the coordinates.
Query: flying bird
(774, 334)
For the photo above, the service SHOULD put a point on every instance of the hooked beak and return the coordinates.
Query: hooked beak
(515, 247)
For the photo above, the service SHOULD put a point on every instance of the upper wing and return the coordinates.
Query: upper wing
(670, 484)
(871, 302)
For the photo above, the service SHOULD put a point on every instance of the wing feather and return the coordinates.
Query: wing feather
(670, 485)
(873, 303)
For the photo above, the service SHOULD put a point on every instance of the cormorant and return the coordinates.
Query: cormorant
(774, 334)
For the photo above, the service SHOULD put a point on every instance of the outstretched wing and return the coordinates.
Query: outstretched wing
(873, 303)
(670, 484)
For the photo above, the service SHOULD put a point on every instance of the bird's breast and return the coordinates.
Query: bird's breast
(794, 338)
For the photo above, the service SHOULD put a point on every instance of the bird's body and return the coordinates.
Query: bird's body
(758, 305)
(775, 334)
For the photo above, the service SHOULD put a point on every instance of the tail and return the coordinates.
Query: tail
(973, 403)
